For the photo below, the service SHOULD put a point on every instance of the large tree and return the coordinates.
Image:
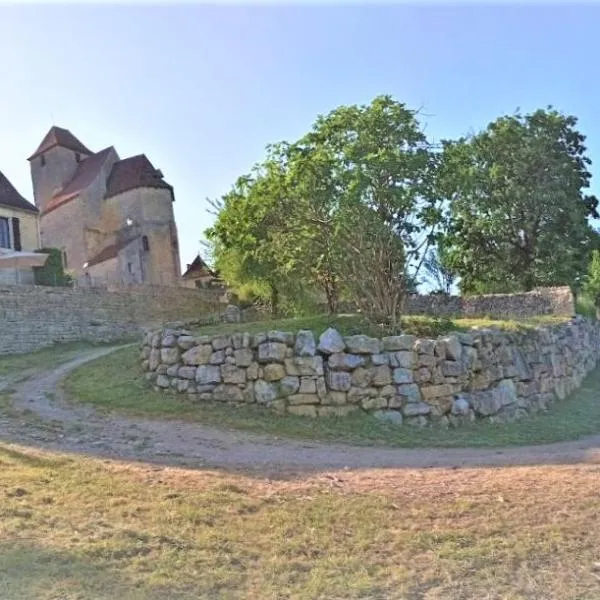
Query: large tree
(518, 204)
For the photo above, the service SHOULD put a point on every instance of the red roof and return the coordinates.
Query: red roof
(134, 172)
(86, 172)
(57, 136)
(111, 251)
(198, 268)
(10, 197)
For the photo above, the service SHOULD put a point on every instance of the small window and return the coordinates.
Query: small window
(145, 243)
(43, 160)
(77, 157)
(64, 259)
(130, 267)
(4, 233)
(16, 228)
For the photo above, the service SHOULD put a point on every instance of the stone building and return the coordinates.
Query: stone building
(112, 218)
(19, 236)
(199, 275)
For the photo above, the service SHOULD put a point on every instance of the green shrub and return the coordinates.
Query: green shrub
(53, 272)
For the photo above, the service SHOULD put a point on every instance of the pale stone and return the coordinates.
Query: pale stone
(182, 385)
(161, 369)
(452, 368)
(425, 347)
(331, 342)
(303, 411)
(380, 359)
(453, 347)
(264, 392)
(271, 352)
(304, 365)
(198, 355)
(207, 374)
(416, 409)
(430, 392)
(169, 356)
(145, 365)
(336, 398)
(403, 375)
(305, 343)
(303, 399)
(339, 381)
(248, 394)
(163, 381)
(172, 370)
(289, 385)
(257, 339)
(228, 393)
(273, 372)
(308, 385)
(284, 337)
(233, 374)
(221, 342)
(168, 341)
(389, 416)
(361, 377)
(217, 358)
(404, 359)
(243, 357)
(187, 372)
(374, 403)
(252, 371)
(345, 362)
(185, 342)
(387, 391)
(398, 342)
(410, 391)
(381, 375)
(461, 406)
(362, 344)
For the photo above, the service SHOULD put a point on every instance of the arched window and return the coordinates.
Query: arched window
(145, 243)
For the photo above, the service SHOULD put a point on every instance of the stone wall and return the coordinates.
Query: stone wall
(488, 374)
(32, 317)
(543, 301)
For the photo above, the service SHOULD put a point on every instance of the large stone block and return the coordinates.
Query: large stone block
(305, 343)
(243, 357)
(228, 393)
(338, 381)
(402, 375)
(264, 392)
(453, 347)
(374, 403)
(154, 359)
(398, 342)
(430, 392)
(185, 342)
(335, 398)
(410, 392)
(340, 361)
(233, 374)
(308, 385)
(208, 374)
(163, 381)
(331, 342)
(381, 375)
(362, 344)
(221, 342)
(404, 359)
(187, 372)
(273, 372)
(169, 356)
(284, 337)
(361, 377)
(217, 358)
(198, 355)
(416, 409)
(289, 385)
(271, 352)
(304, 365)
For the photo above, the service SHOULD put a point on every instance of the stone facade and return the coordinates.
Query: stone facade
(543, 301)
(33, 317)
(490, 375)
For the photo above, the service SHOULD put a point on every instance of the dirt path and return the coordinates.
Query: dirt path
(39, 416)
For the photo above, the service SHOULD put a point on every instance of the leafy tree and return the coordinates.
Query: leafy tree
(591, 287)
(518, 207)
(436, 265)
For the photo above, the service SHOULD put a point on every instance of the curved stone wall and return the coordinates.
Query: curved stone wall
(485, 374)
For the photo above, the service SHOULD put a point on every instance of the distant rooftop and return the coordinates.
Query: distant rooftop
(57, 136)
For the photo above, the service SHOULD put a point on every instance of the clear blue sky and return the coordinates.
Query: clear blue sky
(202, 89)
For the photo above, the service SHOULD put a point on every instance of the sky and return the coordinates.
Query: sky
(202, 89)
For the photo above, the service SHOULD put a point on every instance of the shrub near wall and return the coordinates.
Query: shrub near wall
(481, 375)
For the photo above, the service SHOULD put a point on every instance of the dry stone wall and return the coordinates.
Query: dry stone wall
(33, 317)
(488, 374)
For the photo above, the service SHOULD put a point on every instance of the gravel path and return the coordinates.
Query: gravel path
(39, 416)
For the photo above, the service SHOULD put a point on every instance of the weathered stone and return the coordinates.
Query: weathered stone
(425, 347)
(289, 385)
(207, 374)
(233, 374)
(381, 375)
(217, 358)
(145, 365)
(430, 392)
(243, 357)
(405, 359)
(461, 406)
(284, 337)
(387, 391)
(416, 409)
(182, 385)
(237, 340)
(423, 375)
(485, 403)
(355, 395)
(172, 370)
(205, 388)
(273, 372)
(163, 381)
(161, 370)
(321, 387)
(336, 398)
(439, 348)
(198, 355)
(339, 381)
(308, 385)
(451, 368)
(305, 343)
(221, 342)
(304, 365)
(426, 360)
(523, 370)
(169, 356)
(145, 353)
(336, 411)
(453, 347)
(331, 342)
(409, 391)
(185, 342)
(187, 372)
(168, 341)
(389, 416)
(252, 371)
(295, 399)
(264, 392)
(289, 352)
(232, 314)
(374, 403)
(248, 394)
(507, 391)
(402, 375)
(362, 344)
(228, 353)
(155, 342)
(228, 393)
(303, 410)
(174, 383)
(257, 339)
(345, 362)
(398, 342)
(361, 377)
(380, 359)
(271, 352)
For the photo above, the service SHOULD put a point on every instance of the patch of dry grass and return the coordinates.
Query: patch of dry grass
(77, 528)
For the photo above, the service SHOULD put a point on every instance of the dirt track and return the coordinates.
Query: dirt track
(40, 417)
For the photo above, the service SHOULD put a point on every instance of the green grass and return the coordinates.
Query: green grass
(75, 528)
(351, 324)
(114, 383)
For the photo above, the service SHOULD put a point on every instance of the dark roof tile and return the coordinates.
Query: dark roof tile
(10, 197)
(134, 172)
(198, 268)
(57, 136)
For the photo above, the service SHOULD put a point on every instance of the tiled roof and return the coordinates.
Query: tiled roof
(10, 197)
(86, 172)
(134, 172)
(111, 251)
(57, 136)
(198, 268)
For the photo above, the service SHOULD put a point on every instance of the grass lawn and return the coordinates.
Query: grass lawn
(351, 324)
(114, 382)
(74, 528)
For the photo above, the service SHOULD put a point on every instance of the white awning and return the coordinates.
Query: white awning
(11, 259)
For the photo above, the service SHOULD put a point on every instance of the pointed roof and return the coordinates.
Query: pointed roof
(10, 197)
(134, 172)
(198, 268)
(85, 174)
(57, 136)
